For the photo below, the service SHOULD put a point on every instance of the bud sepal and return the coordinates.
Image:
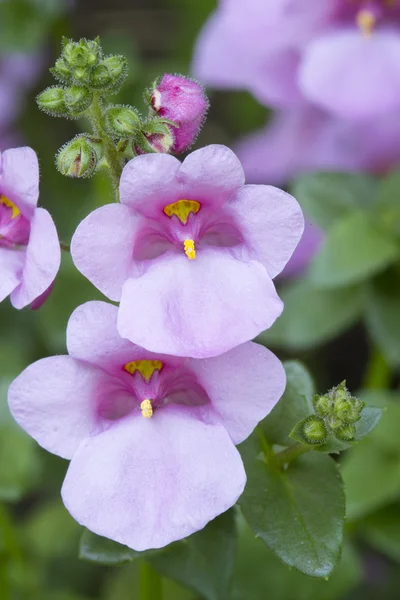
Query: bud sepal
(78, 158)
(122, 121)
(52, 101)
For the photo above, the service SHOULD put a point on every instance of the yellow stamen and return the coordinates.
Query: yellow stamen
(182, 209)
(366, 22)
(145, 367)
(190, 250)
(146, 408)
(15, 212)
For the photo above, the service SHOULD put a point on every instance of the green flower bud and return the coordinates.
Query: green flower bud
(314, 430)
(101, 77)
(61, 71)
(78, 99)
(81, 75)
(118, 69)
(77, 158)
(333, 422)
(85, 53)
(122, 121)
(345, 433)
(52, 101)
(322, 405)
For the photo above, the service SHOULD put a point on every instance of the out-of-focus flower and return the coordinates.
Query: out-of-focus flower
(339, 54)
(193, 248)
(29, 248)
(151, 437)
(184, 102)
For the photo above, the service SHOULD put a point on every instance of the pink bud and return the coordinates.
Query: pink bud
(183, 101)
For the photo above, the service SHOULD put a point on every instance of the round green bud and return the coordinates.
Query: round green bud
(333, 422)
(52, 101)
(61, 71)
(77, 158)
(322, 405)
(85, 53)
(117, 67)
(122, 121)
(314, 430)
(101, 77)
(81, 75)
(346, 433)
(78, 99)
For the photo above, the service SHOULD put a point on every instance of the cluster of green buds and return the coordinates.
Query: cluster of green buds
(336, 414)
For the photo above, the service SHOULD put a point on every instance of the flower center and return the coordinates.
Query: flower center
(370, 12)
(190, 249)
(182, 209)
(147, 408)
(145, 367)
(15, 212)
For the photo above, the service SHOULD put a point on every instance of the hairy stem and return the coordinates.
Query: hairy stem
(150, 583)
(378, 374)
(114, 162)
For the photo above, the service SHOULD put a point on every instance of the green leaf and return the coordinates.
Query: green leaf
(259, 575)
(19, 465)
(326, 197)
(382, 531)
(387, 436)
(204, 561)
(294, 405)
(297, 512)
(96, 548)
(313, 316)
(353, 250)
(382, 316)
(387, 206)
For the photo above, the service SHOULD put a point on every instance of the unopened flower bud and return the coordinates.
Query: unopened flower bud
(85, 53)
(345, 433)
(122, 121)
(155, 136)
(81, 75)
(117, 67)
(184, 102)
(52, 101)
(314, 430)
(61, 71)
(101, 77)
(322, 405)
(77, 158)
(78, 99)
(333, 422)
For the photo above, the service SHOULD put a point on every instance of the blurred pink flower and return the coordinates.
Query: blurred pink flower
(341, 55)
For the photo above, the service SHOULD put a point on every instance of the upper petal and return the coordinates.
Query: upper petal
(148, 482)
(54, 400)
(271, 222)
(149, 182)
(102, 247)
(42, 260)
(351, 75)
(243, 385)
(198, 308)
(11, 265)
(19, 180)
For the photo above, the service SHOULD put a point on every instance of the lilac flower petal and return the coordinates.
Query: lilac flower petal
(243, 384)
(271, 222)
(149, 182)
(19, 179)
(102, 247)
(42, 262)
(212, 173)
(92, 336)
(148, 482)
(198, 308)
(54, 400)
(40, 300)
(351, 75)
(11, 265)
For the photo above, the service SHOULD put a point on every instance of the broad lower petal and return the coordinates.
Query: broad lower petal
(42, 260)
(102, 247)
(19, 179)
(271, 222)
(11, 265)
(243, 385)
(351, 75)
(148, 482)
(198, 308)
(55, 400)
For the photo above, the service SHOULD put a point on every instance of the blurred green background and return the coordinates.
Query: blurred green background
(38, 539)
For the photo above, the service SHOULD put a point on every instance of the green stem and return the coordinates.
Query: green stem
(290, 454)
(114, 162)
(378, 374)
(65, 247)
(12, 551)
(150, 583)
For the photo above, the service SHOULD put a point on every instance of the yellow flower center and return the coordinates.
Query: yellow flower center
(190, 249)
(182, 209)
(146, 408)
(15, 212)
(145, 367)
(366, 22)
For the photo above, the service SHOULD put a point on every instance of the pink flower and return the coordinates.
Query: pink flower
(29, 248)
(190, 252)
(340, 55)
(151, 437)
(183, 101)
